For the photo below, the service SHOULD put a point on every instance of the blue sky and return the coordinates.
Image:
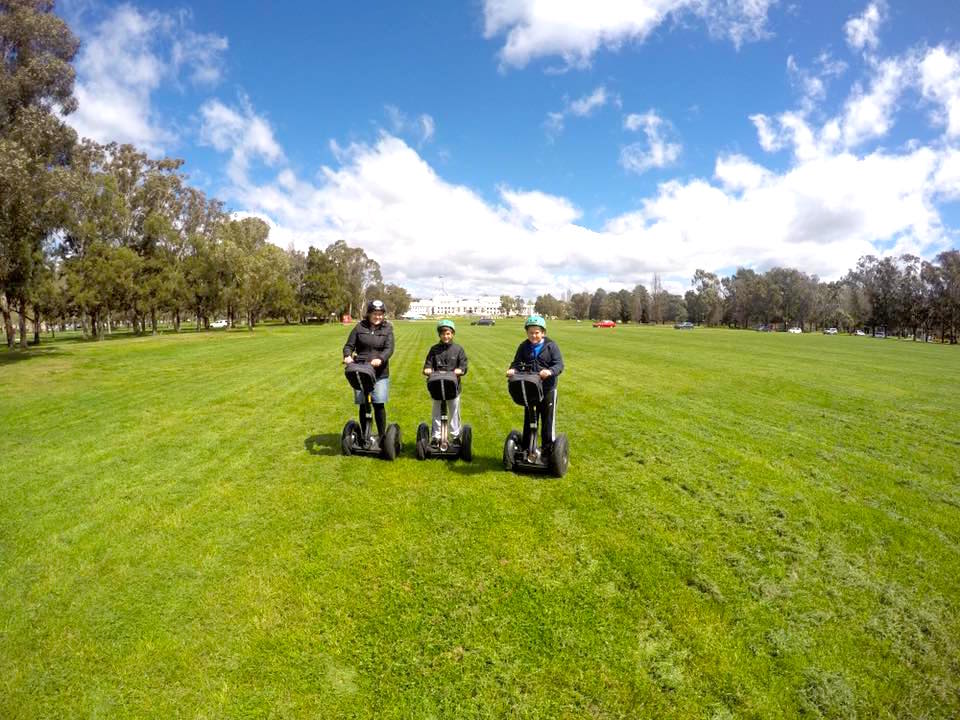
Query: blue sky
(525, 146)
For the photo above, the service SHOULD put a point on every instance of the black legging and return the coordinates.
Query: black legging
(379, 416)
(546, 411)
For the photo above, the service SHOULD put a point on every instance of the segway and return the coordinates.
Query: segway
(526, 389)
(443, 385)
(354, 441)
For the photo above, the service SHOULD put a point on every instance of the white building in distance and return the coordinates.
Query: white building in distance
(487, 305)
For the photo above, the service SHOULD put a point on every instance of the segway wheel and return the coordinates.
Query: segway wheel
(560, 456)
(510, 449)
(466, 443)
(423, 440)
(391, 442)
(350, 431)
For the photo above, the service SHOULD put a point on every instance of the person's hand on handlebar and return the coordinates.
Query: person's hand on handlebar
(376, 362)
(511, 372)
(457, 371)
(428, 371)
(347, 359)
(544, 374)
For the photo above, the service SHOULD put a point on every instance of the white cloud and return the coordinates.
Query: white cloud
(940, 82)
(819, 216)
(657, 151)
(869, 115)
(124, 60)
(242, 133)
(581, 107)
(574, 31)
(862, 30)
(422, 127)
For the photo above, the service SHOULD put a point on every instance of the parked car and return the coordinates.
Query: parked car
(684, 326)
(605, 323)
(795, 331)
(861, 333)
(763, 328)
(485, 321)
(830, 331)
(879, 334)
(219, 324)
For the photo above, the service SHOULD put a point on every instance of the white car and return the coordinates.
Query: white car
(219, 324)
(830, 331)
(861, 333)
(795, 330)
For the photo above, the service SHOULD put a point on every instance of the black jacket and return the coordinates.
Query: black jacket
(549, 359)
(367, 342)
(446, 357)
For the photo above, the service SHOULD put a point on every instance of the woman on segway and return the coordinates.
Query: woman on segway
(371, 341)
(542, 355)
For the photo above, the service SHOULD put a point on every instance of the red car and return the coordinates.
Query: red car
(605, 323)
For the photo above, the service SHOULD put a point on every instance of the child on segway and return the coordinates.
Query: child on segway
(445, 364)
(536, 365)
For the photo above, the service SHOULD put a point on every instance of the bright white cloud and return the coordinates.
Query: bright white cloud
(657, 151)
(820, 216)
(124, 60)
(574, 31)
(868, 115)
(581, 107)
(243, 134)
(940, 82)
(862, 30)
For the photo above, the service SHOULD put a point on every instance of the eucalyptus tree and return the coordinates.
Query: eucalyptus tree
(580, 305)
(36, 83)
(357, 273)
(596, 304)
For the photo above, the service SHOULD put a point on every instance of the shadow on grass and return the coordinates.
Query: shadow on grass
(328, 444)
(477, 466)
(9, 357)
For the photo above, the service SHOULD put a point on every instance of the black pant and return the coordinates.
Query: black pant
(379, 416)
(546, 413)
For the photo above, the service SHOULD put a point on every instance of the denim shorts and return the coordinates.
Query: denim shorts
(381, 390)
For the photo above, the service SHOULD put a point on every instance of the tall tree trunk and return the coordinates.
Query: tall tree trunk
(176, 320)
(23, 324)
(7, 322)
(153, 321)
(109, 322)
(36, 326)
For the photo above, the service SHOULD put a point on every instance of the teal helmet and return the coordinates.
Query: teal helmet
(535, 320)
(446, 324)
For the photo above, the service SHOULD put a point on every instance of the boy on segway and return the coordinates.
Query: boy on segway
(446, 355)
(540, 355)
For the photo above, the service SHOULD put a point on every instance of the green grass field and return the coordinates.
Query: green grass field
(753, 526)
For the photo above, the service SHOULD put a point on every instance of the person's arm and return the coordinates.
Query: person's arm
(428, 362)
(350, 346)
(462, 361)
(555, 366)
(388, 346)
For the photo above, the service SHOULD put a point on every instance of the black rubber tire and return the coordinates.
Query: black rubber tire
(423, 440)
(510, 449)
(348, 436)
(560, 456)
(466, 443)
(391, 442)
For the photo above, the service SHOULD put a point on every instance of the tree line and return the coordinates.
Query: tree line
(104, 235)
(904, 296)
